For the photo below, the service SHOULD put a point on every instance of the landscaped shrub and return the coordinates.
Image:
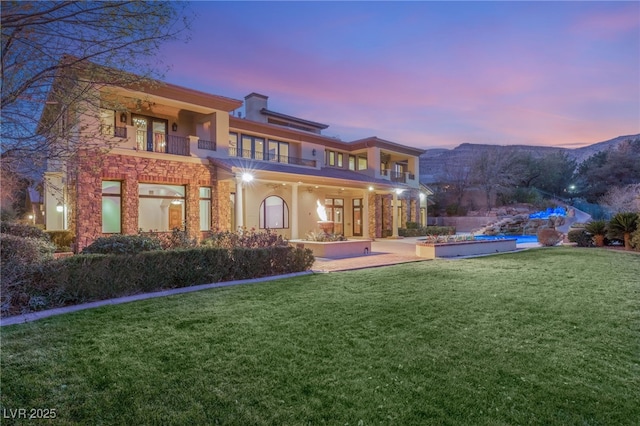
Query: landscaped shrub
(635, 240)
(581, 237)
(429, 230)
(122, 244)
(549, 237)
(597, 228)
(62, 239)
(622, 225)
(175, 239)
(22, 230)
(248, 239)
(20, 257)
(323, 237)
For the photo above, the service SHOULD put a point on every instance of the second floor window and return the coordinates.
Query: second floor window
(151, 133)
(278, 151)
(251, 147)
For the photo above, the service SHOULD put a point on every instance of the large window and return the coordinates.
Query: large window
(278, 151)
(274, 213)
(161, 207)
(111, 207)
(252, 147)
(335, 213)
(205, 209)
(362, 163)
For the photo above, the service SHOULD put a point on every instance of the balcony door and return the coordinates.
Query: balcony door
(151, 133)
(357, 217)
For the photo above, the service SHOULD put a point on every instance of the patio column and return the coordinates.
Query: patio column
(293, 217)
(365, 214)
(394, 215)
(239, 203)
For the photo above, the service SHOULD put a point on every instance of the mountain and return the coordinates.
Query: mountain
(433, 161)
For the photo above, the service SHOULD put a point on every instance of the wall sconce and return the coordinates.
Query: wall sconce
(59, 208)
(123, 117)
(174, 127)
(313, 152)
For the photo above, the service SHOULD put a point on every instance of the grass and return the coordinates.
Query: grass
(548, 336)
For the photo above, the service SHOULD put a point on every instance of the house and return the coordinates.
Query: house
(173, 157)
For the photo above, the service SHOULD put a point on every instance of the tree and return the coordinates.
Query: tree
(79, 46)
(622, 198)
(615, 167)
(624, 224)
(495, 168)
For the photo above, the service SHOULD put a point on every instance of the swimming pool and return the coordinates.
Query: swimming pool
(520, 239)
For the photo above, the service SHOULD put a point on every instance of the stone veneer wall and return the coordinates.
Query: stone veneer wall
(374, 216)
(86, 191)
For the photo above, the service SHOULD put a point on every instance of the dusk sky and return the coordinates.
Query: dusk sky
(426, 74)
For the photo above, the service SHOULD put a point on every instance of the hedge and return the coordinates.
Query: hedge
(91, 277)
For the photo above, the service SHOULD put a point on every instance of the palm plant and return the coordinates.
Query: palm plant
(624, 224)
(598, 228)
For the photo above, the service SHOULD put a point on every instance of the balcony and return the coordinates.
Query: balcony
(265, 156)
(394, 176)
(161, 142)
(208, 145)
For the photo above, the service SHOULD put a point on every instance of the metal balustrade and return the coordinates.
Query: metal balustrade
(265, 156)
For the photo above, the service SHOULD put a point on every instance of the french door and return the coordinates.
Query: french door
(151, 133)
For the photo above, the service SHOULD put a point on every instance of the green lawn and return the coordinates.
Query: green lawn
(546, 336)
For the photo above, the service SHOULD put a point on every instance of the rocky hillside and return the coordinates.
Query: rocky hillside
(433, 161)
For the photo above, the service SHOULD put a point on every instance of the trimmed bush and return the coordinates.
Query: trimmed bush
(172, 240)
(20, 257)
(91, 277)
(429, 230)
(62, 239)
(549, 237)
(122, 244)
(23, 230)
(247, 239)
(581, 237)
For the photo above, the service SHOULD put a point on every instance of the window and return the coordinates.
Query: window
(252, 147)
(205, 209)
(107, 122)
(331, 158)
(151, 133)
(274, 213)
(335, 158)
(233, 144)
(111, 207)
(362, 163)
(278, 151)
(352, 162)
(161, 207)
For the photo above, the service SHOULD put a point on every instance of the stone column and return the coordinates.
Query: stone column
(239, 203)
(293, 216)
(394, 215)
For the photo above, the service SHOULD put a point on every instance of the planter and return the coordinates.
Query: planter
(335, 249)
(464, 248)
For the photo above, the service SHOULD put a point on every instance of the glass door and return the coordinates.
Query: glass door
(151, 133)
(357, 217)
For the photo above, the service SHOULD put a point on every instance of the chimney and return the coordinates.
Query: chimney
(254, 103)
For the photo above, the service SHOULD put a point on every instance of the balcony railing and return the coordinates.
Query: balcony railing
(119, 132)
(265, 156)
(394, 176)
(160, 142)
(209, 145)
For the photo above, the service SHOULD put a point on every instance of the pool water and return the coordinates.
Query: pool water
(520, 239)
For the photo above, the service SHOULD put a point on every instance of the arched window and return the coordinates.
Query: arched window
(274, 213)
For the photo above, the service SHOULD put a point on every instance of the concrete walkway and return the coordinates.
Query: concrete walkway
(383, 252)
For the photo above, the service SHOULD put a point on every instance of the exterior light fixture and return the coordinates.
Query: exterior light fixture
(422, 196)
(371, 188)
(176, 202)
(247, 177)
(59, 208)
(174, 127)
(313, 152)
(399, 191)
(123, 117)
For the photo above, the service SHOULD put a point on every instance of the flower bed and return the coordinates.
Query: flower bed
(454, 246)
